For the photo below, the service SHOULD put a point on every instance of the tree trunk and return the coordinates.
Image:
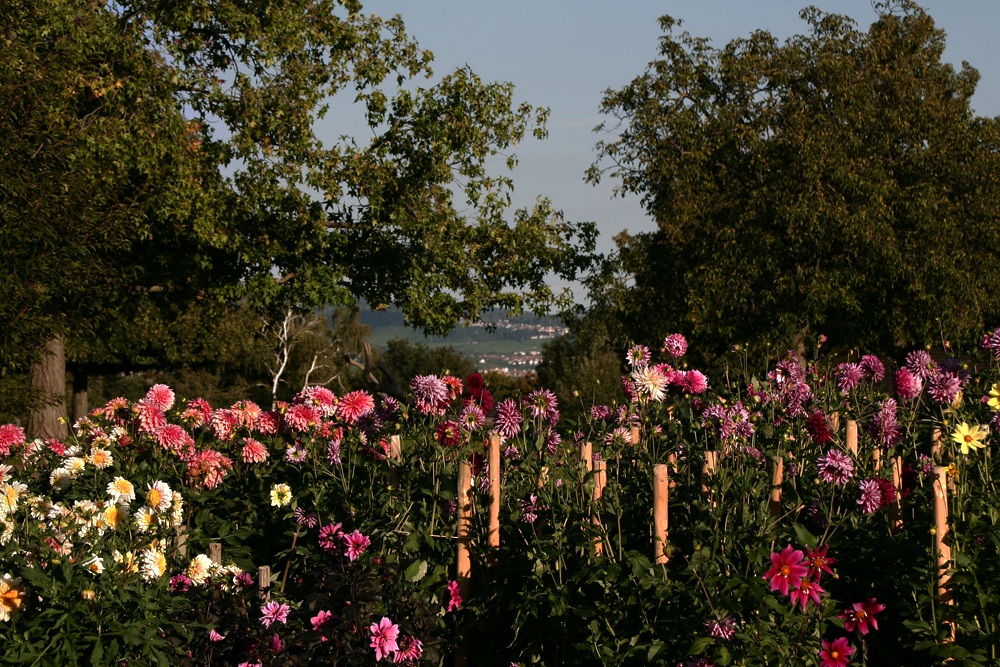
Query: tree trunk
(80, 405)
(48, 379)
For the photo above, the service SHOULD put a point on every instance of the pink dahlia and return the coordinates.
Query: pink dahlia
(301, 417)
(861, 615)
(872, 367)
(786, 570)
(807, 590)
(222, 424)
(330, 535)
(268, 423)
(991, 342)
(835, 467)
(819, 562)
(908, 385)
(151, 417)
(508, 418)
(274, 612)
(454, 596)
(246, 414)
(410, 649)
(118, 410)
(321, 398)
(448, 434)
(197, 412)
(675, 345)
(356, 544)
(848, 377)
(10, 436)
(207, 468)
(638, 356)
(174, 438)
(384, 634)
(354, 405)
(161, 396)
(321, 619)
(870, 496)
(694, 382)
(921, 364)
(253, 451)
(836, 653)
(430, 394)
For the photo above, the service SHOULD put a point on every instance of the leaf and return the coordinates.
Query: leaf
(416, 571)
(804, 536)
(700, 645)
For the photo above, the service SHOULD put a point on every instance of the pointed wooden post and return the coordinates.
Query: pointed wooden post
(494, 468)
(672, 462)
(661, 478)
(264, 582)
(936, 444)
(634, 436)
(464, 530)
(877, 458)
(852, 437)
(587, 456)
(941, 534)
(777, 479)
(896, 511)
(600, 480)
(215, 552)
(395, 459)
(180, 541)
(707, 471)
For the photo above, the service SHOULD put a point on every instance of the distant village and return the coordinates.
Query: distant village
(518, 364)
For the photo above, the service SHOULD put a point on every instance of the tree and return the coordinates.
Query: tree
(219, 108)
(837, 183)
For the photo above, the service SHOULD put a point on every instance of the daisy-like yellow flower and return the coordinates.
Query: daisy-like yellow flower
(199, 569)
(144, 519)
(100, 458)
(121, 491)
(970, 437)
(11, 597)
(159, 496)
(994, 401)
(10, 494)
(94, 565)
(281, 495)
(154, 564)
(114, 516)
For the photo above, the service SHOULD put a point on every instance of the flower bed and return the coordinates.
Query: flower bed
(167, 531)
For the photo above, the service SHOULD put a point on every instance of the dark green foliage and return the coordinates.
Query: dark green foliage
(837, 183)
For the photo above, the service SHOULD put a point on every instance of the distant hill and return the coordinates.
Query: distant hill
(515, 343)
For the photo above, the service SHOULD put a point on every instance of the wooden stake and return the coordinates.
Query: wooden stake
(288, 563)
(215, 552)
(777, 478)
(941, 528)
(708, 470)
(464, 564)
(660, 505)
(852, 437)
(936, 444)
(264, 581)
(494, 466)
(940, 534)
(180, 542)
(634, 436)
(672, 462)
(395, 459)
(587, 456)
(600, 480)
(896, 511)
(877, 458)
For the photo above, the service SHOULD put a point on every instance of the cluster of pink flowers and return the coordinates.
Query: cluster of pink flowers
(386, 641)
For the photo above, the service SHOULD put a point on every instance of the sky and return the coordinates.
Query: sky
(564, 53)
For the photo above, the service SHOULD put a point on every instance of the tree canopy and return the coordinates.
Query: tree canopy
(161, 153)
(837, 183)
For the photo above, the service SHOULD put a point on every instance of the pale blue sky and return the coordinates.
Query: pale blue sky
(563, 54)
